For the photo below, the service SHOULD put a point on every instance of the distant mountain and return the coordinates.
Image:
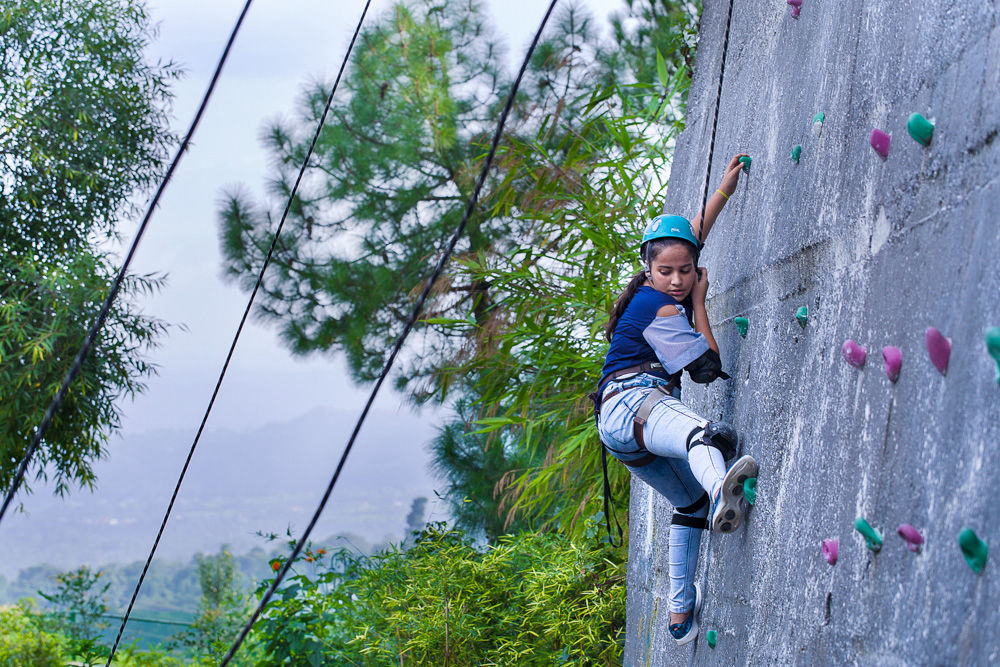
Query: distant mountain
(238, 483)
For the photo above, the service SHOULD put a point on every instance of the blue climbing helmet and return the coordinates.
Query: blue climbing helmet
(669, 226)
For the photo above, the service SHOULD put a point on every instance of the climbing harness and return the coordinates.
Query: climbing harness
(653, 395)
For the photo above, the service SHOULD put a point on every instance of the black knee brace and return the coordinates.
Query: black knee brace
(720, 435)
(685, 516)
(723, 437)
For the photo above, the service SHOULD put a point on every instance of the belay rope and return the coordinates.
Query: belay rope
(608, 499)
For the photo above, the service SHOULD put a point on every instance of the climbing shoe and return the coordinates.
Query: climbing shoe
(688, 630)
(726, 510)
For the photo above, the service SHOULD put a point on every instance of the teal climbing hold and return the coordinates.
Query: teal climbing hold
(741, 325)
(818, 120)
(745, 161)
(750, 489)
(973, 548)
(873, 538)
(711, 637)
(802, 315)
(993, 347)
(920, 129)
(796, 153)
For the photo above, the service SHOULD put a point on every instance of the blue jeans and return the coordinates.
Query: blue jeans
(666, 434)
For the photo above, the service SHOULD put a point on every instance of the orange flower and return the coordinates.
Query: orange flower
(309, 559)
(321, 551)
(275, 565)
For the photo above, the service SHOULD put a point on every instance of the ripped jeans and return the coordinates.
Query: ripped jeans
(666, 434)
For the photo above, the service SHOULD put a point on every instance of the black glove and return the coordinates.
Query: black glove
(706, 368)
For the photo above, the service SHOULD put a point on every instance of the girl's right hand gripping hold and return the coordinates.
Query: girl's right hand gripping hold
(718, 199)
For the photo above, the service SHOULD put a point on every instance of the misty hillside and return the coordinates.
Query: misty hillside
(238, 483)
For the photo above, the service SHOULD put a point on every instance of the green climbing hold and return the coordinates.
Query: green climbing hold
(711, 638)
(802, 315)
(920, 129)
(873, 538)
(750, 489)
(796, 153)
(741, 325)
(818, 123)
(973, 548)
(993, 347)
(745, 160)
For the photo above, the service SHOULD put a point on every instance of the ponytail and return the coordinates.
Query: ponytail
(638, 280)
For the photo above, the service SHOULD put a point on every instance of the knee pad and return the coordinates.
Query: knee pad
(694, 515)
(723, 437)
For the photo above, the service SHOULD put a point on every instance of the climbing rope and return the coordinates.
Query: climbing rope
(239, 330)
(715, 122)
(116, 286)
(417, 308)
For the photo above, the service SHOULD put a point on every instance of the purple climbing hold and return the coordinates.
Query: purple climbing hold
(853, 353)
(830, 548)
(880, 142)
(911, 535)
(939, 349)
(796, 7)
(893, 358)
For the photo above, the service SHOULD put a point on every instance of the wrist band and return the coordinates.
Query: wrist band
(723, 194)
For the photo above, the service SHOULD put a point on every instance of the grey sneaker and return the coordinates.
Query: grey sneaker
(727, 513)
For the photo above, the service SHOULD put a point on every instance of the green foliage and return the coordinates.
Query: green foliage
(552, 294)
(79, 609)
(657, 40)
(24, 639)
(132, 656)
(532, 599)
(83, 129)
(477, 468)
(390, 179)
(223, 609)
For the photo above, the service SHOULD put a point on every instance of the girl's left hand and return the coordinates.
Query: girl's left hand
(700, 288)
(732, 177)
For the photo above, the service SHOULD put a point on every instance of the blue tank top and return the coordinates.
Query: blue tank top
(640, 336)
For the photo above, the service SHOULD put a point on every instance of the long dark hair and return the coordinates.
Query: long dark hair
(648, 251)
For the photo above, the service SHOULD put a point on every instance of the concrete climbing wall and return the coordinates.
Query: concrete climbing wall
(878, 250)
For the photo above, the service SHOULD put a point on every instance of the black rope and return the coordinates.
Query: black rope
(395, 350)
(116, 286)
(715, 123)
(239, 330)
(609, 503)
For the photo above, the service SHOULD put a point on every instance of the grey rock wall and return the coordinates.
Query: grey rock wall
(878, 251)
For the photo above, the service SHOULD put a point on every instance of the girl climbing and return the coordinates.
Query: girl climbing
(658, 328)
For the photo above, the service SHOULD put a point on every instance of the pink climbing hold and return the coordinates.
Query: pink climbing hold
(911, 536)
(830, 548)
(880, 142)
(939, 349)
(893, 358)
(796, 7)
(853, 353)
